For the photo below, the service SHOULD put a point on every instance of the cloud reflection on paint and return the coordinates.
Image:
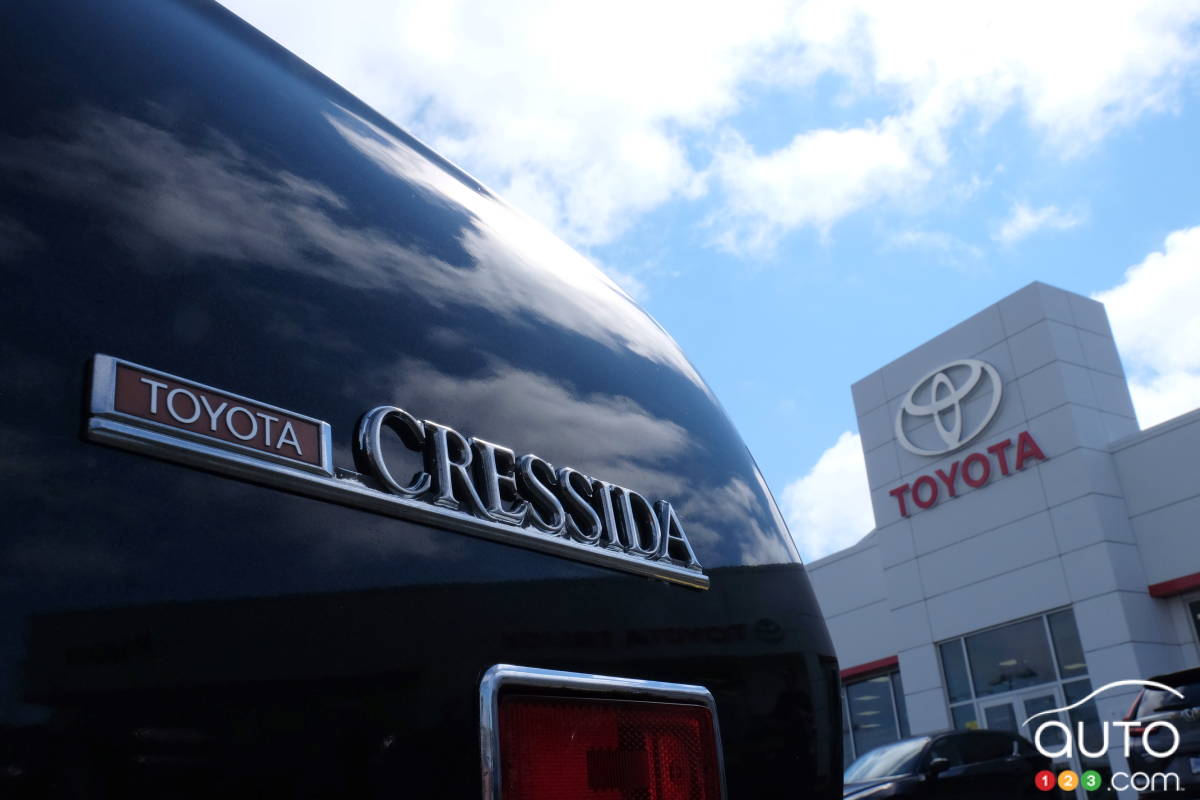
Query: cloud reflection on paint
(213, 200)
(199, 203)
(610, 437)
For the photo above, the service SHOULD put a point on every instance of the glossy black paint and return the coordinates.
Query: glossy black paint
(179, 191)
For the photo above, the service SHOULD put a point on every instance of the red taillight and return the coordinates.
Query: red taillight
(1129, 714)
(1133, 707)
(555, 748)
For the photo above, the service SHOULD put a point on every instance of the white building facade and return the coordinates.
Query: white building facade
(1031, 543)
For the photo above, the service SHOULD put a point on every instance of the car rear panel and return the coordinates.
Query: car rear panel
(1180, 714)
(180, 192)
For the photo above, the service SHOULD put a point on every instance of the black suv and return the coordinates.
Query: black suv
(1183, 713)
(238, 310)
(972, 765)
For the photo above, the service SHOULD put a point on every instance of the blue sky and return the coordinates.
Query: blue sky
(801, 192)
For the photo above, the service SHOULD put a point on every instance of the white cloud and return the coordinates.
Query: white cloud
(1157, 328)
(1073, 71)
(949, 249)
(815, 180)
(1075, 68)
(579, 113)
(1024, 221)
(1159, 398)
(572, 111)
(828, 509)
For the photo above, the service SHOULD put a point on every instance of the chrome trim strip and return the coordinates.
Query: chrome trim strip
(103, 400)
(502, 675)
(350, 491)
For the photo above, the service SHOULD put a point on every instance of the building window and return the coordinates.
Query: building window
(1006, 661)
(1009, 658)
(1000, 677)
(1194, 612)
(874, 714)
(1065, 635)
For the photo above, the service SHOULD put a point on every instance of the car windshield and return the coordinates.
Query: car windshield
(899, 758)
(1158, 700)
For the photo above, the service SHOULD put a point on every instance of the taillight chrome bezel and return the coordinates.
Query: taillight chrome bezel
(507, 676)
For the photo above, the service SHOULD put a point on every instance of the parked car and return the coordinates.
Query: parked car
(1183, 713)
(951, 765)
(327, 474)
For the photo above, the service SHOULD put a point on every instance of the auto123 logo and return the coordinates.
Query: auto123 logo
(1157, 738)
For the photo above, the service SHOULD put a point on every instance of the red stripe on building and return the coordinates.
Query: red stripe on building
(891, 662)
(1176, 586)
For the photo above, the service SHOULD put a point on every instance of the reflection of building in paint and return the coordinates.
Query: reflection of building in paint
(1053, 552)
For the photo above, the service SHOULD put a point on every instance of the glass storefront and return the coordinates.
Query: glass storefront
(1000, 677)
(997, 679)
(1009, 658)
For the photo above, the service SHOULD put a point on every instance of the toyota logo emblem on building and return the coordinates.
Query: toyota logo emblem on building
(943, 401)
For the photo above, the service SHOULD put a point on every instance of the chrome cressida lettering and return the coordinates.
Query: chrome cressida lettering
(467, 485)
(490, 482)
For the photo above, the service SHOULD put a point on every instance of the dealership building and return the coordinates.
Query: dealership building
(1031, 543)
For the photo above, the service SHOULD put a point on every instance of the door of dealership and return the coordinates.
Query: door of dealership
(1009, 712)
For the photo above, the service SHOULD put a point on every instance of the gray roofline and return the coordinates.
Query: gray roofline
(1187, 418)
